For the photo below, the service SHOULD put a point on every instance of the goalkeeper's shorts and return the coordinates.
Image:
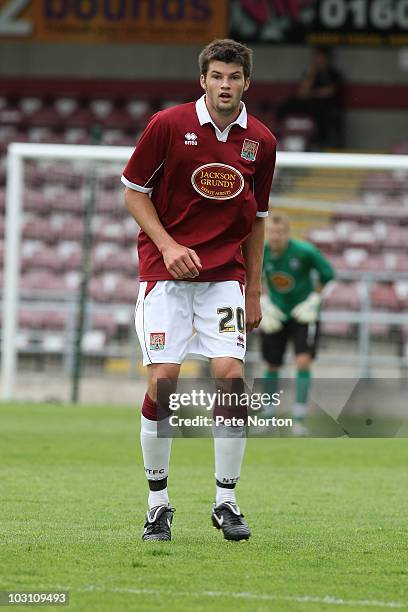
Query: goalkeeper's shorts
(305, 338)
(176, 319)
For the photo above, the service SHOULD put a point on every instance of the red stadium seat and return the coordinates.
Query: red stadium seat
(325, 239)
(41, 281)
(343, 295)
(35, 201)
(383, 296)
(104, 321)
(337, 328)
(65, 200)
(43, 258)
(120, 261)
(11, 113)
(36, 228)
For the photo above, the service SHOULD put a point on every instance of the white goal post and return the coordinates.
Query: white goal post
(19, 152)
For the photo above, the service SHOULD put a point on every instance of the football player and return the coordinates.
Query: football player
(198, 184)
(291, 307)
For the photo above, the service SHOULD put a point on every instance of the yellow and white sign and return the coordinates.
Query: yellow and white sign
(121, 21)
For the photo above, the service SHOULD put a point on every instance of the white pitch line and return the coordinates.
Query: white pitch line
(327, 600)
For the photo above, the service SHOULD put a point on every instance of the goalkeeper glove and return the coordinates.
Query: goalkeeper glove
(272, 316)
(308, 310)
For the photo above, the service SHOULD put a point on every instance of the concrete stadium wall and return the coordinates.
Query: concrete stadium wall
(364, 127)
(283, 63)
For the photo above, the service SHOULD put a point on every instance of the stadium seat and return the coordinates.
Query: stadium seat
(42, 258)
(43, 282)
(65, 200)
(93, 341)
(383, 296)
(103, 288)
(325, 239)
(343, 296)
(68, 227)
(76, 136)
(297, 133)
(104, 321)
(46, 115)
(107, 230)
(119, 261)
(70, 255)
(29, 105)
(126, 291)
(82, 115)
(355, 258)
(72, 280)
(36, 228)
(374, 263)
(401, 291)
(35, 201)
(11, 113)
(54, 343)
(380, 330)
(362, 237)
(337, 328)
(118, 117)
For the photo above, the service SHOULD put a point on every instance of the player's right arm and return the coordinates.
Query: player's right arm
(141, 175)
(180, 261)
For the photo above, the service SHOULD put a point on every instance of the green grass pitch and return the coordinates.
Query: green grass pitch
(329, 519)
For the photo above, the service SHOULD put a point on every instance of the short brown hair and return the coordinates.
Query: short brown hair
(228, 51)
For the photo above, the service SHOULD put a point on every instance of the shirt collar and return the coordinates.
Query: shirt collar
(205, 117)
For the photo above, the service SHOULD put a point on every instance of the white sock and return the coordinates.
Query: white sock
(156, 459)
(224, 495)
(299, 410)
(158, 498)
(229, 452)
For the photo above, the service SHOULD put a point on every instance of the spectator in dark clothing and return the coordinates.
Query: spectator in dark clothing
(319, 97)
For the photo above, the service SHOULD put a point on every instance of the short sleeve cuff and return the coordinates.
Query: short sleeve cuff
(131, 185)
(262, 213)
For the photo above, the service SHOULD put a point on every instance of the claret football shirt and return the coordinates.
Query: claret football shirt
(206, 185)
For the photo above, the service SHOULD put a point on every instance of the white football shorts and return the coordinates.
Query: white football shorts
(174, 319)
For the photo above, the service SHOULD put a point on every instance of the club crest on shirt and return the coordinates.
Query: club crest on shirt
(282, 282)
(157, 341)
(249, 149)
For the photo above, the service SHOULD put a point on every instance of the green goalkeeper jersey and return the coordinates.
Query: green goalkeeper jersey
(292, 275)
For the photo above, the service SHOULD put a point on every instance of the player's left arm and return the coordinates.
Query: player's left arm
(322, 266)
(253, 247)
(308, 311)
(252, 250)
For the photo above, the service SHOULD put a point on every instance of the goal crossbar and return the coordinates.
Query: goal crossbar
(18, 152)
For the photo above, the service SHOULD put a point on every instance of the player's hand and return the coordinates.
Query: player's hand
(308, 310)
(182, 263)
(253, 313)
(272, 316)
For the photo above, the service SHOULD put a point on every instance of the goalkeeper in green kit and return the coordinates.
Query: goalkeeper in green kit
(295, 273)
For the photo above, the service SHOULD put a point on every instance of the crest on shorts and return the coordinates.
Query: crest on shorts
(157, 341)
(249, 149)
(241, 341)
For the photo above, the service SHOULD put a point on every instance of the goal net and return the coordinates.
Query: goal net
(70, 278)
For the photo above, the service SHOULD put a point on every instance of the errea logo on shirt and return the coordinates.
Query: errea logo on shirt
(190, 139)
